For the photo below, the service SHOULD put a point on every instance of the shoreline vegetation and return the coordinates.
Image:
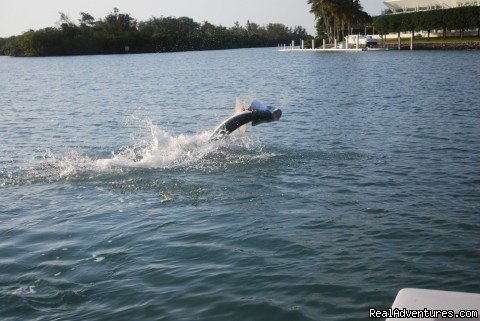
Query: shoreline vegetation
(120, 33)
(338, 18)
(438, 43)
(459, 22)
(459, 19)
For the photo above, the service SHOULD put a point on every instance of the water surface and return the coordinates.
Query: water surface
(114, 205)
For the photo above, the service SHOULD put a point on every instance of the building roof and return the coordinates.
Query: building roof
(416, 5)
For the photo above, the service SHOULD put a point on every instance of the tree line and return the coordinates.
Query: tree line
(120, 31)
(337, 17)
(461, 18)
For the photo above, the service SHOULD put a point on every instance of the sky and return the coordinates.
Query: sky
(18, 16)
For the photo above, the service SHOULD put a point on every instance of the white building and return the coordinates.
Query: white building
(397, 6)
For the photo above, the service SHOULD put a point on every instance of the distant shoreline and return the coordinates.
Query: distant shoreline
(119, 33)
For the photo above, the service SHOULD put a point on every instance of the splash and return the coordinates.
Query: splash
(165, 151)
(25, 290)
(159, 151)
(162, 151)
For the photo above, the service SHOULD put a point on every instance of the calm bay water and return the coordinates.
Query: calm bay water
(114, 205)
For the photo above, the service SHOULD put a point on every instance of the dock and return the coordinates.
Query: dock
(334, 49)
(337, 47)
(324, 50)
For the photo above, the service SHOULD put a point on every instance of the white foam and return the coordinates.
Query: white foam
(161, 151)
(157, 149)
(24, 290)
(97, 258)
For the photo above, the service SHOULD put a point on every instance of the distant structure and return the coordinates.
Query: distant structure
(399, 6)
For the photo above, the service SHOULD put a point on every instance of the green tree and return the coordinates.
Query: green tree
(117, 30)
(86, 20)
(338, 15)
(461, 18)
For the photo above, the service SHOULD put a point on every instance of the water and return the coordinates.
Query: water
(114, 205)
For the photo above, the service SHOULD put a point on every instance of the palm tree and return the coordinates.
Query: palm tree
(336, 14)
(321, 10)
